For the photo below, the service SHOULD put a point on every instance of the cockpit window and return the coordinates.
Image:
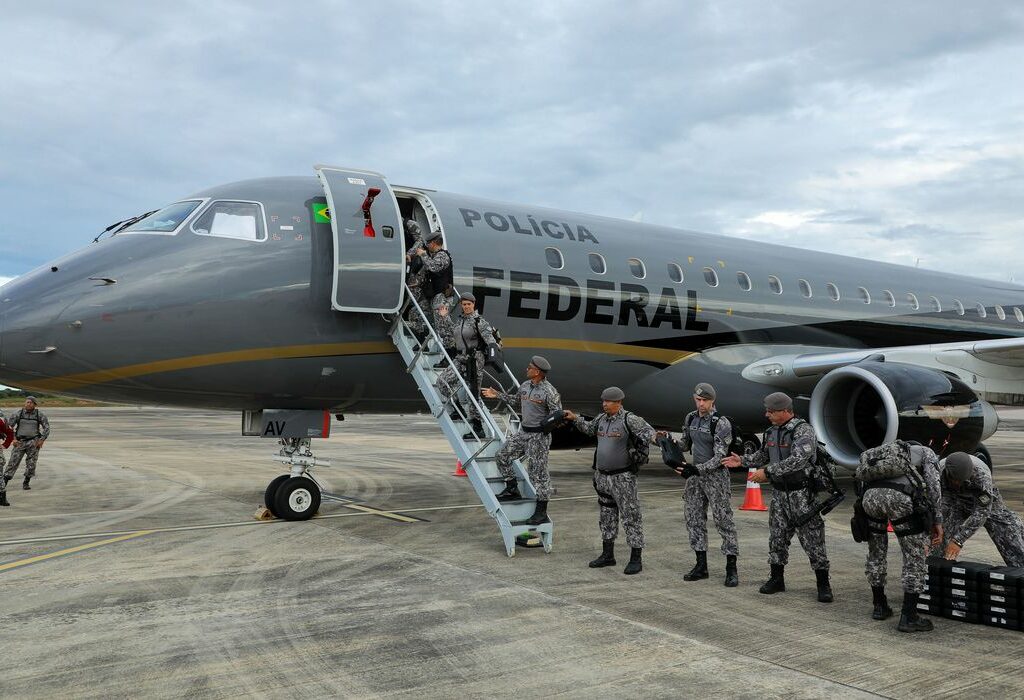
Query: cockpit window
(164, 220)
(242, 220)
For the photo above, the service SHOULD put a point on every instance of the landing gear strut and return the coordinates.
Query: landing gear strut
(296, 495)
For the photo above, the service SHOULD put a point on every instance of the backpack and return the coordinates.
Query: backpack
(493, 355)
(735, 444)
(888, 461)
(638, 449)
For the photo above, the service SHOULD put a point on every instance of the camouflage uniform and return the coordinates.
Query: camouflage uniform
(787, 461)
(534, 402)
(469, 360)
(415, 282)
(28, 427)
(886, 504)
(614, 480)
(436, 263)
(978, 503)
(8, 437)
(711, 486)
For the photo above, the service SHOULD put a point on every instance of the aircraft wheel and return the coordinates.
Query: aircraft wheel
(982, 453)
(751, 444)
(270, 495)
(298, 499)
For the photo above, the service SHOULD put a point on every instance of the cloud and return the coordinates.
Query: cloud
(843, 132)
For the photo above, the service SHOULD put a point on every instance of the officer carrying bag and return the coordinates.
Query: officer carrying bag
(860, 526)
(888, 461)
(553, 421)
(493, 355)
(891, 466)
(821, 483)
(672, 455)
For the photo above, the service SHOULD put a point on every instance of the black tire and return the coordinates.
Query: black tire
(298, 499)
(751, 444)
(982, 453)
(270, 495)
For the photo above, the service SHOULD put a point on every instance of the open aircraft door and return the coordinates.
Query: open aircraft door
(369, 251)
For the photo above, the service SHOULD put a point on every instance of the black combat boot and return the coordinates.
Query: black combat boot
(635, 566)
(776, 583)
(476, 430)
(25, 485)
(540, 514)
(3, 497)
(910, 621)
(607, 557)
(732, 579)
(882, 609)
(824, 589)
(443, 362)
(511, 492)
(700, 569)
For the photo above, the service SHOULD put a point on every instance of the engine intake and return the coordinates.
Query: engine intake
(871, 403)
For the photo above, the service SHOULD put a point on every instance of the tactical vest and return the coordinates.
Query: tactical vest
(466, 335)
(702, 441)
(532, 411)
(435, 283)
(28, 426)
(612, 454)
(779, 443)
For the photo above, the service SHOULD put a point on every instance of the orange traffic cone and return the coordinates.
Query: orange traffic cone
(459, 471)
(889, 528)
(752, 500)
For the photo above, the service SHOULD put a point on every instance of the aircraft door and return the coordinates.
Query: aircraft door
(369, 251)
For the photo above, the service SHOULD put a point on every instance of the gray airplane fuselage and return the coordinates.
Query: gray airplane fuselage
(206, 321)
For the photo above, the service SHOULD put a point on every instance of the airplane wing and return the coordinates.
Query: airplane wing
(994, 368)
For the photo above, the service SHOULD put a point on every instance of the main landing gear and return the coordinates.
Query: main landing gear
(296, 495)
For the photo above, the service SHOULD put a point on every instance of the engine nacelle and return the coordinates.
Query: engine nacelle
(872, 403)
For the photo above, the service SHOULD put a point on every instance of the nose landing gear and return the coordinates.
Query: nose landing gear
(296, 495)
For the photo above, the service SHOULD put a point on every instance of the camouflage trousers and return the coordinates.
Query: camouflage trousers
(710, 489)
(30, 452)
(888, 504)
(617, 497)
(534, 447)
(1003, 526)
(448, 383)
(783, 512)
(3, 463)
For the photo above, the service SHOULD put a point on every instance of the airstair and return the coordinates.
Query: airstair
(478, 453)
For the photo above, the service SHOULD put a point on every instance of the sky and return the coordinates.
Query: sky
(886, 131)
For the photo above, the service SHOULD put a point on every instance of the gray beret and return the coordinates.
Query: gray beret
(541, 363)
(33, 399)
(466, 296)
(959, 466)
(613, 393)
(434, 236)
(704, 391)
(778, 402)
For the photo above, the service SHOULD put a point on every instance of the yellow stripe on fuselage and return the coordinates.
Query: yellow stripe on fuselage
(76, 381)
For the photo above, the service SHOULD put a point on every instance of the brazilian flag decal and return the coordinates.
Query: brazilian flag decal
(321, 214)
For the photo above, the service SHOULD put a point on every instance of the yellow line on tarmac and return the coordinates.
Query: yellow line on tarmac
(72, 550)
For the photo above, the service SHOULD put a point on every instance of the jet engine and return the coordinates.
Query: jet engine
(873, 402)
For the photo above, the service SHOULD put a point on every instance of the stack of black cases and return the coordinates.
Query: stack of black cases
(974, 592)
(1000, 593)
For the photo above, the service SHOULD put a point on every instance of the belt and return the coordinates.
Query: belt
(528, 429)
(613, 472)
(789, 487)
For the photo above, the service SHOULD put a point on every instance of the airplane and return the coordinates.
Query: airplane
(277, 297)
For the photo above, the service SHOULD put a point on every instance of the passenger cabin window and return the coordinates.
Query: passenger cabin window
(675, 273)
(833, 291)
(936, 304)
(554, 258)
(637, 269)
(980, 308)
(959, 307)
(597, 263)
(166, 220)
(241, 220)
(1000, 314)
(711, 277)
(864, 294)
(774, 284)
(1019, 314)
(805, 288)
(889, 298)
(744, 281)
(912, 300)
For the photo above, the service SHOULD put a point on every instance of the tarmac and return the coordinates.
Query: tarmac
(134, 568)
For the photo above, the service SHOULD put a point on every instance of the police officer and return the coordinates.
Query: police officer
(970, 500)
(471, 334)
(710, 486)
(910, 501)
(615, 475)
(416, 276)
(8, 438)
(31, 429)
(789, 449)
(438, 282)
(534, 400)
